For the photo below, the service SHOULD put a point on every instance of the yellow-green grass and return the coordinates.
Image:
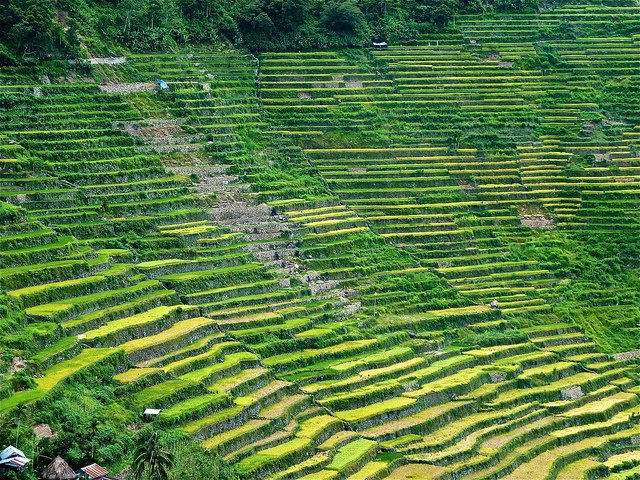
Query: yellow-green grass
(312, 427)
(512, 397)
(311, 463)
(195, 346)
(385, 406)
(50, 309)
(618, 400)
(229, 360)
(59, 346)
(625, 474)
(151, 394)
(181, 277)
(370, 470)
(363, 376)
(622, 457)
(215, 351)
(303, 439)
(436, 369)
(113, 270)
(402, 425)
(313, 352)
(192, 404)
(464, 377)
(449, 432)
(338, 439)
(543, 462)
(56, 374)
(321, 475)
(416, 471)
(240, 404)
(227, 383)
(272, 454)
(292, 323)
(98, 314)
(138, 320)
(399, 441)
(543, 371)
(351, 453)
(134, 374)
(177, 330)
(222, 437)
(384, 356)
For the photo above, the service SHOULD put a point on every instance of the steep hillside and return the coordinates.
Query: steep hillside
(413, 262)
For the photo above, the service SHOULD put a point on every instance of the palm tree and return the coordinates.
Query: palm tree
(150, 459)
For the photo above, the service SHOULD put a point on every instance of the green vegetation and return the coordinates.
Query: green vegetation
(315, 261)
(35, 29)
(150, 460)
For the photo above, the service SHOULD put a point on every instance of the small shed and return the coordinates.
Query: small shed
(161, 84)
(58, 469)
(380, 44)
(93, 472)
(150, 414)
(12, 459)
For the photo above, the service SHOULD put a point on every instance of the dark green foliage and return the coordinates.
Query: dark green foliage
(29, 28)
(150, 459)
(10, 213)
(546, 59)
(33, 28)
(92, 426)
(193, 462)
(342, 16)
(469, 339)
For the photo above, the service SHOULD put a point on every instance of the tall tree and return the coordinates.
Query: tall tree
(150, 459)
(28, 25)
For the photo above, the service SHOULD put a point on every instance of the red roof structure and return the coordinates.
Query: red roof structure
(93, 471)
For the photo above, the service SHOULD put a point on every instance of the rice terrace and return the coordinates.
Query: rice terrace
(320, 239)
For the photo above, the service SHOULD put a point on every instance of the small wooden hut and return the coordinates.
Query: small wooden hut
(58, 469)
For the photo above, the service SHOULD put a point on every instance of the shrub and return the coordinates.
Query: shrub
(343, 16)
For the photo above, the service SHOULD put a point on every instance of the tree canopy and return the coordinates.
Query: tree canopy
(40, 28)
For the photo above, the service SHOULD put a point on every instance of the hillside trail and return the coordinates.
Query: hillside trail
(269, 236)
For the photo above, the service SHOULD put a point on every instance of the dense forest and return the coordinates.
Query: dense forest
(37, 28)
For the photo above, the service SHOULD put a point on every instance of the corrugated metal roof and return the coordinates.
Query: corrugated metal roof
(11, 451)
(94, 470)
(15, 462)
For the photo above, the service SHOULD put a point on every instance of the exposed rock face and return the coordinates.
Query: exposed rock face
(212, 180)
(42, 430)
(571, 393)
(107, 60)
(627, 355)
(163, 135)
(498, 377)
(536, 221)
(17, 365)
(271, 235)
(125, 88)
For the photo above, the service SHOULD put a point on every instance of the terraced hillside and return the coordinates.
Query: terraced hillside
(416, 262)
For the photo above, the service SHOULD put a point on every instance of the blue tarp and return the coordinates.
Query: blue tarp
(162, 84)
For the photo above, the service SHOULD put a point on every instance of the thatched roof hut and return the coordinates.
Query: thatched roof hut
(58, 469)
